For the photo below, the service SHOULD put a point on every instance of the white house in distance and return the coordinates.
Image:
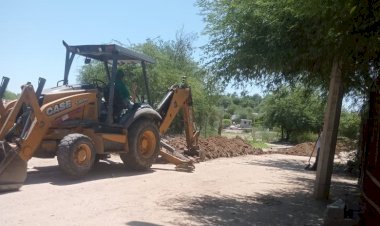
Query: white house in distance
(245, 123)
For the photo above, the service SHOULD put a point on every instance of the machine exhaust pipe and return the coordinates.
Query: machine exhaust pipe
(12, 168)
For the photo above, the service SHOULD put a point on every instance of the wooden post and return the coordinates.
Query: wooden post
(330, 133)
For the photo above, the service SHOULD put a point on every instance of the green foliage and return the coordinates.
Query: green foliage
(224, 101)
(173, 62)
(281, 41)
(244, 112)
(231, 109)
(258, 144)
(294, 111)
(303, 137)
(226, 123)
(251, 101)
(227, 115)
(235, 99)
(243, 107)
(214, 115)
(169, 69)
(267, 135)
(349, 125)
(8, 95)
(89, 72)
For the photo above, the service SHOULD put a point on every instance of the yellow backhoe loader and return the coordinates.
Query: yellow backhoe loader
(81, 124)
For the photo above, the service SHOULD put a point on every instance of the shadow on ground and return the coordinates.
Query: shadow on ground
(284, 164)
(141, 223)
(298, 165)
(102, 170)
(274, 207)
(277, 208)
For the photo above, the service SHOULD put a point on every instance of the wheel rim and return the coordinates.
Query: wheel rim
(82, 155)
(147, 144)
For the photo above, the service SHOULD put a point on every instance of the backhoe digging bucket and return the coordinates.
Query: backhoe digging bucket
(12, 168)
(180, 161)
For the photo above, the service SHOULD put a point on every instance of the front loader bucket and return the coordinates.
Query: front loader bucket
(12, 168)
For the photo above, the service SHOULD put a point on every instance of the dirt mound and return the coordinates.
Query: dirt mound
(218, 146)
(305, 149)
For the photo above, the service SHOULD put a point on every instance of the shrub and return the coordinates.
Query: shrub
(303, 137)
(349, 125)
(269, 136)
(226, 123)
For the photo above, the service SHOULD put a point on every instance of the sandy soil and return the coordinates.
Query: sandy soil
(308, 148)
(217, 146)
(247, 190)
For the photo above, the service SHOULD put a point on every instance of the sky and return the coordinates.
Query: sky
(32, 32)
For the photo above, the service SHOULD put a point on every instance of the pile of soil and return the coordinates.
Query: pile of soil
(305, 149)
(218, 146)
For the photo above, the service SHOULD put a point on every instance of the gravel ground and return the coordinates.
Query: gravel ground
(247, 190)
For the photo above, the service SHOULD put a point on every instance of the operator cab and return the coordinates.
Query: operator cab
(110, 110)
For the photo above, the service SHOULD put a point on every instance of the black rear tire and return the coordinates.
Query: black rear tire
(76, 154)
(144, 145)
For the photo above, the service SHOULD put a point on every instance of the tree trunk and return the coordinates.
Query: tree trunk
(282, 133)
(330, 132)
(206, 121)
(220, 127)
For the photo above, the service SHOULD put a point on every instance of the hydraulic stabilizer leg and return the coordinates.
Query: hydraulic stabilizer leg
(12, 168)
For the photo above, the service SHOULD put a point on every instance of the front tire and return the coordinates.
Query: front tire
(76, 154)
(144, 145)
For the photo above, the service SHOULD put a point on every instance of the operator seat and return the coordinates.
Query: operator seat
(118, 106)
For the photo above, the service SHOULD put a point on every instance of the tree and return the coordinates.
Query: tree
(297, 41)
(293, 41)
(224, 102)
(8, 95)
(89, 72)
(173, 62)
(251, 101)
(349, 124)
(293, 110)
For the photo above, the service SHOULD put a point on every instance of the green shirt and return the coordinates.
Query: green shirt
(121, 89)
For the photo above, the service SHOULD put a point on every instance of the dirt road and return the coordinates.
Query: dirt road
(248, 190)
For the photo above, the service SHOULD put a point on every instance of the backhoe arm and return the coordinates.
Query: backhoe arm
(179, 97)
(190, 130)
